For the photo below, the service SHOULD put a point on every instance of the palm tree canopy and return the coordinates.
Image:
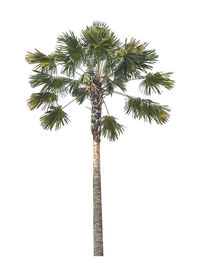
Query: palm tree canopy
(97, 57)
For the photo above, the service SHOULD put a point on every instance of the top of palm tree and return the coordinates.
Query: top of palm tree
(96, 58)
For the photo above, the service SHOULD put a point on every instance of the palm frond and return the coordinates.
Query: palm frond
(154, 82)
(133, 59)
(68, 65)
(51, 83)
(111, 84)
(100, 24)
(55, 117)
(38, 99)
(99, 41)
(80, 93)
(71, 46)
(147, 110)
(111, 129)
(43, 62)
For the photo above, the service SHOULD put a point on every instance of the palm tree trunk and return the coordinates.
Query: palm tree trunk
(97, 206)
(96, 101)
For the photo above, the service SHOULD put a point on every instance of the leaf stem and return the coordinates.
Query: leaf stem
(106, 108)
(119, 93)
(75, 99)
(69, 103)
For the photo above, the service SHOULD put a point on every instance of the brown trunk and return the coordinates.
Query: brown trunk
(97, 206)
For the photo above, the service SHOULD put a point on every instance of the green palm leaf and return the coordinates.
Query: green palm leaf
(133, 58)
(46, 99)
(80, 94)
(153, 82)
(68, 65)
(110, 128)
(71, 46)
(99, 41)
(116, 82)
(51, 83)
(147, 110)
(43, 62)
(56, 116)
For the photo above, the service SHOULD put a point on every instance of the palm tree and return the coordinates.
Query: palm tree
(92, 67)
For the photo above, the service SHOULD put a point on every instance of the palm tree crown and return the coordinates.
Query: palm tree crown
(96, 60)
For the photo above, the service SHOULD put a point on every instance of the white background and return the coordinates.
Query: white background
(150, 176)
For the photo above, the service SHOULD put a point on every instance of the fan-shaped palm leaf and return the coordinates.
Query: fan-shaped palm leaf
(43, 62)
(154, 82)
(46, 99)
(99, 41)
(110, 84)
(133, 58)
(56, 116)
(80, 94)
(71, 46)
(147, 110)
(51, 83)
(68, 65)
(111, 128)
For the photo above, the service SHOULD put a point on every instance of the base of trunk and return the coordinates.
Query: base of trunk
(97, 206)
